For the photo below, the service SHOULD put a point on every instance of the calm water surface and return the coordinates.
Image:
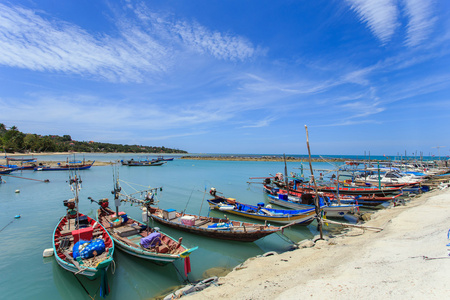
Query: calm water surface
(26, 274)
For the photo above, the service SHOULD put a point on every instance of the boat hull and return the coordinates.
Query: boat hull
(305, 217)
(331, 211)
(63, 168)
(133, 247)
(157, 258)
(89, 272)
(245, 234)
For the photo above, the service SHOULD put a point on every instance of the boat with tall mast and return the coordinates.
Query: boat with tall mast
(81, 245)
(139, 238)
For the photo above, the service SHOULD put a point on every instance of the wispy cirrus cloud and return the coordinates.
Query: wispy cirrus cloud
(31, 41)
(260, 123)
(380, 16)
(197, 38)
(421, 20)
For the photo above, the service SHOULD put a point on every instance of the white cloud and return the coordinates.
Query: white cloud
(261, 123)
(380, 16)
(221, 46)
(420, 22)
(30, 41)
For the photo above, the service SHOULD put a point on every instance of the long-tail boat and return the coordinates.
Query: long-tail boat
(136, 238)
(298, 200)
(262, 212)
(71, 165)
(357, 190)
(6, 170)
(82, 245)
(130, 235)
(218, 228)
(143, 163)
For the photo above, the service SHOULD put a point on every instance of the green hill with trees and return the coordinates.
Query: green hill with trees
(13, 140)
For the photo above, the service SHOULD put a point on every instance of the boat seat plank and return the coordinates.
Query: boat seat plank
(201, 222)
(206, 224)
(135, 237)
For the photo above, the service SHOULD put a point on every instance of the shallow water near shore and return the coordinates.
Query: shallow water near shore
(185, 183)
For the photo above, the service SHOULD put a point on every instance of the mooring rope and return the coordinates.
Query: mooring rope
(7, 225)
(93, 298)
(46, 180)
(187, 276)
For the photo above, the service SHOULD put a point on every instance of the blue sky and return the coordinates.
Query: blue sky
(231, 76)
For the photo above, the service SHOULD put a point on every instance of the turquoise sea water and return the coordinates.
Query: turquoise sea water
(27, 275)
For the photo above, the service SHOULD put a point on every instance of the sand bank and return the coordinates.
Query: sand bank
(371, 265)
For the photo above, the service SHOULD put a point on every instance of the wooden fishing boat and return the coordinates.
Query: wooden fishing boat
(76, 165)
(20, 167)
(161, 158)
(260, 212)
(296, 200)
(25, 163)
(373, 200)
(224, 229)
(145, 163)
(65, 236)
(142, 163)
(5, 170)
(137, 239)
(357, 190)
(80, 244)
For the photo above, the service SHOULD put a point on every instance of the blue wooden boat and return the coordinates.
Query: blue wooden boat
(74, 165)
(161, 158)
(142, 163)
(25, 163)
(261, 212)
(299, 200)
(5, 170)
(146, 163)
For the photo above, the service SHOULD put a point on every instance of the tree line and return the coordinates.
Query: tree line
(12, 140)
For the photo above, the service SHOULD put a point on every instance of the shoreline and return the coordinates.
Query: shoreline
(271, 158)
(357, 263)
(262, 158)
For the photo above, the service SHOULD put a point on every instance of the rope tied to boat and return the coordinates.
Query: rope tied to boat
(95, 261)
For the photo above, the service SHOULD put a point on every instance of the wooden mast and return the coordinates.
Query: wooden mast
(316, 199)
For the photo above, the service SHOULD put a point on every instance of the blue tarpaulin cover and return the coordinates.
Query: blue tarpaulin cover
(85, 249)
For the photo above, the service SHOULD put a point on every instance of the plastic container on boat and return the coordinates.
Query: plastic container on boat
(84, 234)
(169, 214)
(188, 220)
(226, 207)
(144, 215)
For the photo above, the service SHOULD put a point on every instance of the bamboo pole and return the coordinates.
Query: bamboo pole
(286, 180)
(316, 199)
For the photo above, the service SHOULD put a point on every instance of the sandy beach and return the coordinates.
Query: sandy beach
(41, 156)
(408, 259)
